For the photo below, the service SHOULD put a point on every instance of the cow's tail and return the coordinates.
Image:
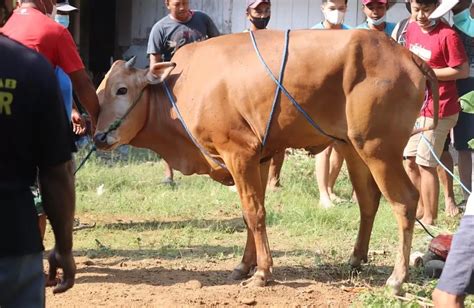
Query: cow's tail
(433, 83)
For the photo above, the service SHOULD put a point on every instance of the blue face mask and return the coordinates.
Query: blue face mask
(62, 20)
(464, 22)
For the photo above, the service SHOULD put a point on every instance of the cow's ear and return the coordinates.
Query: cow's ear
(159, 72)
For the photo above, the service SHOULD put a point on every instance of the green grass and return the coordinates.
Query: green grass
(138, 217)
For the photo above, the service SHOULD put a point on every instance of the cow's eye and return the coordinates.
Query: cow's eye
(122, 91)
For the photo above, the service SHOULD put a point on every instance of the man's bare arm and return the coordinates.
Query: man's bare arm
(86, 93)
(452, 73)
(58, 195)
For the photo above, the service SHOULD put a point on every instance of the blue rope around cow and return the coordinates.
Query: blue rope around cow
(277, 90)
(282, 88)
(180, 117)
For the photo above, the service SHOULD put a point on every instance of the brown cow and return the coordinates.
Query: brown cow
(358, 86)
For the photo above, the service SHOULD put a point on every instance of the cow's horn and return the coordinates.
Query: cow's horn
(130, 63)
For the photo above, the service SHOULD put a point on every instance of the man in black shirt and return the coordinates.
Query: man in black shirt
(35, 141)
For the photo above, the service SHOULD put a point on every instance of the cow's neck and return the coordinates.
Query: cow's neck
(165, 135)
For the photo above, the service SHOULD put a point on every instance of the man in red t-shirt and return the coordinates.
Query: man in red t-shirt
(31, 24)
(439, 45)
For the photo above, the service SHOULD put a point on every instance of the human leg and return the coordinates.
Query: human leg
(22, 281)
(431, 147)
(322, 177)
(465, 171)
(169, 175)
(276, 164)
(413, 172)
(335, 164)
(429, 194)
(446, 180)
(463, 133)
(457, 278)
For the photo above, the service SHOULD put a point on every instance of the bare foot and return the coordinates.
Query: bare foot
(273, 184)
(451, 208)
(325, 203)
(428, 222)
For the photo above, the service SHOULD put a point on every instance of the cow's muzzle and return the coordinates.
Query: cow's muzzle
(102, 141)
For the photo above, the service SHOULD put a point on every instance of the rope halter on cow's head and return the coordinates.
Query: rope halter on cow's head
(157, 74)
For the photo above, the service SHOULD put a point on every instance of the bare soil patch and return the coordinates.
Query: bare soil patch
(164, 283)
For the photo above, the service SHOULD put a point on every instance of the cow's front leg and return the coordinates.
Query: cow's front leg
(250, 178)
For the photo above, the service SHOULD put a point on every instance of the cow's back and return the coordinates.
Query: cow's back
(223, 87)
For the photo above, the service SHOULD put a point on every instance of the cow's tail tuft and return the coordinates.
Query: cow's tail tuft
(433, 83)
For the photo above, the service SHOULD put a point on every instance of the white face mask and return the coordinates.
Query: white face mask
(334, 17)
(376, 22)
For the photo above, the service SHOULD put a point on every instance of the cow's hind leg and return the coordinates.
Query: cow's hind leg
(368, 197)
(395, 185)
(251, 183)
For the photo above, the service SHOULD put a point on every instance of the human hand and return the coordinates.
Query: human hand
(56, 261)
(78, 123)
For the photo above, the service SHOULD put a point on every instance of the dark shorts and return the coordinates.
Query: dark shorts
(447, 143)
(463, 131)
(22, 281)
(458, 273)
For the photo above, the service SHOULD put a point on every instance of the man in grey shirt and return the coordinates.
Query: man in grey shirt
(182, 26)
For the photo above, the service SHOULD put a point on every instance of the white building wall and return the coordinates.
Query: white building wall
(136, 18)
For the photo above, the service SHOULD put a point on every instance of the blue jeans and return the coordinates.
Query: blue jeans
(22, 281)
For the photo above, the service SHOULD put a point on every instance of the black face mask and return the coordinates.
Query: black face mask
(260, 23)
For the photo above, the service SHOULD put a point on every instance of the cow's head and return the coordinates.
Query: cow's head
(123, 101)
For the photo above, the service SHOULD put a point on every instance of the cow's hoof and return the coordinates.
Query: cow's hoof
(257, 280)
(241, 272)
(356, 261)
(238, 274)
(395, 285)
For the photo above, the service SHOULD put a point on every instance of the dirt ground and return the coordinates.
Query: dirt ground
(163, 283)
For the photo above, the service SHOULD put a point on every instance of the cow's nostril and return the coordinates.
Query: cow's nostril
(100, 138)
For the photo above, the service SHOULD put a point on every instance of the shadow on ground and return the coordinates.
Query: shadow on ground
(124, 271)
(222, 225)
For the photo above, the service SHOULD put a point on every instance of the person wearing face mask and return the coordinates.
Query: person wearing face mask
(33, 25)
(333, 12)
(180, 27)
(441, 47)
(329, 162)
(462, 17)
(63, 10)
(376, 12)
(65, 84)
(258, 13)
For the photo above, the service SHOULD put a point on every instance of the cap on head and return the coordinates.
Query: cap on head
(254, 3)
(365, 2)
(64, 6)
